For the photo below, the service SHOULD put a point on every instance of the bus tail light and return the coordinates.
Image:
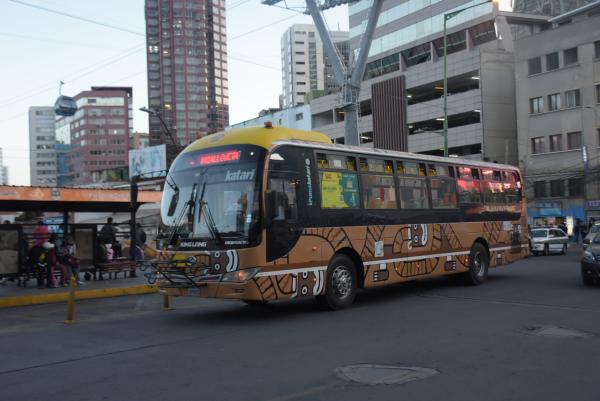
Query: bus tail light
(240, 276)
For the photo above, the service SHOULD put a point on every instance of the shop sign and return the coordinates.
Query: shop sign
(593, 204)
(548, 205)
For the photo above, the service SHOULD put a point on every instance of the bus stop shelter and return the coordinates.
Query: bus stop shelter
(66, 201)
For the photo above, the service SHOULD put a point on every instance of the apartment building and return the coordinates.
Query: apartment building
(558, 107)
(306, 72)
(42, 146)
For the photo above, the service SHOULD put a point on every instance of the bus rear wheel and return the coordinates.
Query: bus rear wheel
(478, 265)
(340, 284)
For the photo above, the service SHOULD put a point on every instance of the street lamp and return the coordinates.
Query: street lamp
(155, 113)
(448, 16)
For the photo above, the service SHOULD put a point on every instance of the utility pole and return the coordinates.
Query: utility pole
(349, 80)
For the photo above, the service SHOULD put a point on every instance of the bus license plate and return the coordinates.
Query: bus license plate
(193, 292)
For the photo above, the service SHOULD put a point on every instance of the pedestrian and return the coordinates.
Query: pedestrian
(41, 234)
(108, 232)
(52, 263)
(577, 231)
(563, 226)
(67, 256)
(140, 242)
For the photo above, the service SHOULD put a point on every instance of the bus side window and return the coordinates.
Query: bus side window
(412, 185)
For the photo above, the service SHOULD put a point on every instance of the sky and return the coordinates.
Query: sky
(40, 48)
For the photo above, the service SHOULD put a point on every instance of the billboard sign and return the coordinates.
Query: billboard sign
(150, 162)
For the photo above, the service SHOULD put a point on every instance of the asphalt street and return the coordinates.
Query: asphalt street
(484, 343)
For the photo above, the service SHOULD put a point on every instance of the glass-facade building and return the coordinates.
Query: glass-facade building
(187, 68)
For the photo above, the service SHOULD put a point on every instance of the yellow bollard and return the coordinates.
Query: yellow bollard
(166, 304)
(71, 301)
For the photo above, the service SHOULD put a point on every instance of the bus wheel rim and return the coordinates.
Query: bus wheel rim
(341, 282)
(479, 264)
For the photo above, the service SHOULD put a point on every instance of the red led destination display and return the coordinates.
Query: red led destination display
(220, 157)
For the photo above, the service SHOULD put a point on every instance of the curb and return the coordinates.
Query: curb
(27, 300)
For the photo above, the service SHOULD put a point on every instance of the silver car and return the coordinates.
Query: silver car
(547, 240)
(595, 229)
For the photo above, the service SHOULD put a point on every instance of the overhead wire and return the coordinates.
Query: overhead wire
(79, 74)
(77, 17)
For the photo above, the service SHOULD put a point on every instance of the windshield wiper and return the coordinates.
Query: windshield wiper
(191, 206)
(210, 222)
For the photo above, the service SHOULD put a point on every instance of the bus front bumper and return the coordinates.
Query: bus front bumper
(247, 290)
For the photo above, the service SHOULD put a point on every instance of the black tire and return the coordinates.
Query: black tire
(340, 284)
(546, 250)
(478, 265)
(564, 250)
(587, 280)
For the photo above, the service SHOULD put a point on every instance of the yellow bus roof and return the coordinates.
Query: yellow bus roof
(260, 136)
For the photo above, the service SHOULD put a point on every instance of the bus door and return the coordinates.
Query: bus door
(283, 197)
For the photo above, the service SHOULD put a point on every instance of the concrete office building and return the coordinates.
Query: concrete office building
(99, 133)
(187, 68)
(139, 140)
(42, 146)
(402, 93)
(558, 107)
(305, 69)
(295, 117)
(3, 170)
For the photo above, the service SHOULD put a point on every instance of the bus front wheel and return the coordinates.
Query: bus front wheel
(340, 284)
(478, 265)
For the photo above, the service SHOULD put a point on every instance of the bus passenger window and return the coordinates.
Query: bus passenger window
(469, 191)
(413, 193)
(443, 193)
(512, 188)
(493, 192)
(378, 192)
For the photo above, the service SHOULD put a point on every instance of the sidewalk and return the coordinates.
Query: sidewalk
(11, 295)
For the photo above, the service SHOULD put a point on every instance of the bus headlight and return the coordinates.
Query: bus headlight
(240, 276)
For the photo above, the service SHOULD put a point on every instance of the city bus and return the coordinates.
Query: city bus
(270, 213)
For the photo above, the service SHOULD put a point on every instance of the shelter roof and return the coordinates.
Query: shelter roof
(60, 199)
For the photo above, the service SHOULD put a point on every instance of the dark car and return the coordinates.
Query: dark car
(590, 263)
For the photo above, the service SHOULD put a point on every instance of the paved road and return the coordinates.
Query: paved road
(478, 338)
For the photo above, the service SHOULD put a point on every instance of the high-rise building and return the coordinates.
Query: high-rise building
(187, 68)
(3, 170)
(42, 141)
(305, 68)
(99, 133)
(558, 116)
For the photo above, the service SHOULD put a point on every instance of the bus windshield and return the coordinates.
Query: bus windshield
(213, 195)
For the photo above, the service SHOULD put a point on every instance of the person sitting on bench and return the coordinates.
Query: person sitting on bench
(52, 263)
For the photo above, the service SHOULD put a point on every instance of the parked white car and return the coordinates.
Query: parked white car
(547, 240)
